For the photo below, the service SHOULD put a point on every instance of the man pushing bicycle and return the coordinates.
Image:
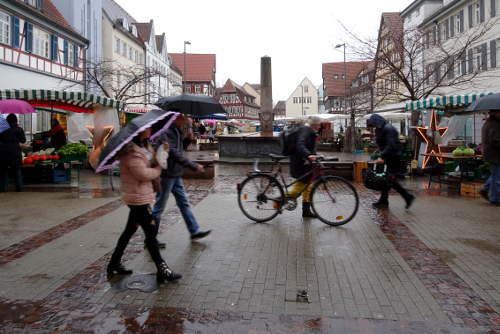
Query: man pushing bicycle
(302, 150)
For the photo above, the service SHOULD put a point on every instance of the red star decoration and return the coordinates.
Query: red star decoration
(431, 147)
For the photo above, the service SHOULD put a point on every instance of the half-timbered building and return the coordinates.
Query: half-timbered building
(237, 102)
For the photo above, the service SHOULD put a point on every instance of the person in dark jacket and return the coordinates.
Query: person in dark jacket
(56, 134)
(171, 180)
(11, 154)
(490, 134)
(387, 140)
(300, 165)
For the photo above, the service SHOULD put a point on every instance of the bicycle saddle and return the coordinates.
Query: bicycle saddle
(277, 157)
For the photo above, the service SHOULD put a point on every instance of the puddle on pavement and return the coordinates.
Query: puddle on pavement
(445, 255)
(484, 245)
(144, 282)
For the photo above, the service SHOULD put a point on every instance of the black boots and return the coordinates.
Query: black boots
(117, 269)
(380, 204)
(306, 210)
(166, 274)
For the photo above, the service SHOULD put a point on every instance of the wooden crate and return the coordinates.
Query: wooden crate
(470, 189)
(358, 167)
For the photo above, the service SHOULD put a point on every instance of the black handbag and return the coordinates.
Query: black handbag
(377, 181)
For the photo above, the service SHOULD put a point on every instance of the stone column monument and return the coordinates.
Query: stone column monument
(266, 115)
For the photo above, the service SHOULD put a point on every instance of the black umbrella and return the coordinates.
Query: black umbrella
(191, 105)
(488, 102)
(159, 118)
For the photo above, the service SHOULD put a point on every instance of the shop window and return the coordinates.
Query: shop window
(4, 28)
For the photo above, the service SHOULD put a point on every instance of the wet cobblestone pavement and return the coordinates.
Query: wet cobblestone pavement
(382, 273)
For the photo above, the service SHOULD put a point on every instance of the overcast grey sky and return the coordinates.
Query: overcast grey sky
(298, 35)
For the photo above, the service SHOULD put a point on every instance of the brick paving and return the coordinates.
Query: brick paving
(361, 278)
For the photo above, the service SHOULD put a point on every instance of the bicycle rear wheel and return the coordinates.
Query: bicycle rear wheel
(260, 197)
(334, 200)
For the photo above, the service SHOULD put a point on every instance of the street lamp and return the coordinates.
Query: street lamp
(184, 73)
(345, 74)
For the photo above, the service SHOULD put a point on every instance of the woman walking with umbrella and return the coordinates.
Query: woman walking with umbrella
(138, 170)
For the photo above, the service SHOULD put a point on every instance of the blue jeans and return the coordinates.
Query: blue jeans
(492, 185)
(175, 186)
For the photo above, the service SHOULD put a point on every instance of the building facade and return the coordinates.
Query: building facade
(198, 72)
(174, 79)
(462, 46)
(39, 50)
(237, 102)
(254, 90)
(303, 101)
(279, 109)
(123, 54)
(337, 79)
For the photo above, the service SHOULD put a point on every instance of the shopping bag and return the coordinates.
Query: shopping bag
(377, 181)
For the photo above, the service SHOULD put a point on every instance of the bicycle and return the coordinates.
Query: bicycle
(262, 195)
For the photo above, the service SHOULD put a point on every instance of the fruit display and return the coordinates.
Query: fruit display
(463, 151)
(73, 149)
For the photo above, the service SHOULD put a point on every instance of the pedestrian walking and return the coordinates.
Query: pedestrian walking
(11, 153)
(490, 134)
(171, 180)
(305, 152)
(387, 140)
(138, 170)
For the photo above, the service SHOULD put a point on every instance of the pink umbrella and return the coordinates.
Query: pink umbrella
(15, 107)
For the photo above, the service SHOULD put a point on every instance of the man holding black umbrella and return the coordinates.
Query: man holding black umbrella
(171, 180)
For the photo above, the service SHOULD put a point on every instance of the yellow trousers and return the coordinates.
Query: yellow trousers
(297, 188)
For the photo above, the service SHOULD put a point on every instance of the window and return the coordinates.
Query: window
(124, 49)
(477, 13)
(197, 89)
(306, 89)
(4, 28)
(458, 23)
(41, 43)
(130, 53)
(71, 55)
(117, 45)
(335, 76)
(136, 58)
(34, 3)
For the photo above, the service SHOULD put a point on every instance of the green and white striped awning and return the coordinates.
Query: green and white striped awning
(78, 99)
(445, 101)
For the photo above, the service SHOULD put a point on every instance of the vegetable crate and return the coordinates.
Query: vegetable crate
(470, 189)
(74, 157)
(61, 175)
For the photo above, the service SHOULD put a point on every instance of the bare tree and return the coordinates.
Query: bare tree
(415, 64)
(129, 84)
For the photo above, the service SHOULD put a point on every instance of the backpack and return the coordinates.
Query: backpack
(288, 141)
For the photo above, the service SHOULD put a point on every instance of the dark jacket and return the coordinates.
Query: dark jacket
(490, 134)
(10, 150)
(386, 137)
(176, 161)
(305, 146)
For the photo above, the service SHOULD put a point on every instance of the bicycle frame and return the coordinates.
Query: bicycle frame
(316, 172)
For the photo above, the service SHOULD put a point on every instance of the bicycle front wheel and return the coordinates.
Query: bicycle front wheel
(334, 200)
(260, 197)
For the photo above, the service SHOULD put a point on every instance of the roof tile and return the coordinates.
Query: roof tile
(200, 67)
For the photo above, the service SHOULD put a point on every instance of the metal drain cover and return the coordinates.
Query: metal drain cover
(144, 283)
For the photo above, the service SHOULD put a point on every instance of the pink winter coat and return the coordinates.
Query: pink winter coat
(136, 177)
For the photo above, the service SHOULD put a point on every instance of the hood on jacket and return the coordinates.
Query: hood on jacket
(376, 121)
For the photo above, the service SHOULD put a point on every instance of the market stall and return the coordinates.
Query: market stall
(86, 121)
(449, 137)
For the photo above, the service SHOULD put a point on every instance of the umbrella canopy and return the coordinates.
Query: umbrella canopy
(191, 105)
(159, 118)
(4, 125)
(489, 102)
(15, 107)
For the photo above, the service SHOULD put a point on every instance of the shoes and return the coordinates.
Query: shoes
(200, 234)
(306, 210)
(118, 270)
(409, 201)
(484, 194)
(166, 274)
(380, 205)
